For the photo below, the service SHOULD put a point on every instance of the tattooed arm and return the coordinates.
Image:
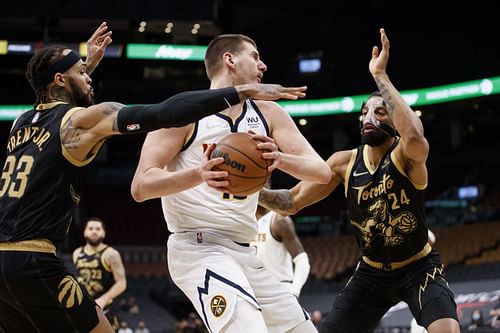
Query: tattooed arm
(306, 193)
(413, 148)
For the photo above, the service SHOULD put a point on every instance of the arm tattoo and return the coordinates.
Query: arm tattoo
(70, 137)
(276, 199)
(113, 107)
(386, 96)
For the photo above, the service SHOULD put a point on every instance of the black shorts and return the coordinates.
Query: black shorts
(372, 292)
(39, 294)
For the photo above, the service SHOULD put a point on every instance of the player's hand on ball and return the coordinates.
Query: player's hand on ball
(269, 149)
(213, 178)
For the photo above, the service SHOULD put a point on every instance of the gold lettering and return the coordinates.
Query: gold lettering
(39, 136)
(45, 137)
(27, 134)
(18, 137)
(390, 183)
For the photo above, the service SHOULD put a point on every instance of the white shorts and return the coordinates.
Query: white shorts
(214, 271)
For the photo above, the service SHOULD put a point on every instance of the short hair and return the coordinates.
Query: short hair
(220, 44)
(42, 60)
(95, 219)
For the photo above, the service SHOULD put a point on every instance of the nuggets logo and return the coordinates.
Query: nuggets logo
(69, 293)
(218, 305)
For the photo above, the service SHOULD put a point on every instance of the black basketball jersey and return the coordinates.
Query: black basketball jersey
(93, 273)
(39, 186)
(385, 208)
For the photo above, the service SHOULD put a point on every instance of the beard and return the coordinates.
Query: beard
(373, 138)
(94, 242)
(80, 98)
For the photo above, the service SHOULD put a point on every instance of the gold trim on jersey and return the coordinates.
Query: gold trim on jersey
(402, 171)
(65, 152)
(104, 263)
(398, 264)
(32, 245)
(46, 106)
(348, 170)
(366, 161)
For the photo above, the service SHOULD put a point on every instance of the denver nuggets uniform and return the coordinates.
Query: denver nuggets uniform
(39, 188)
(272, 252)
(208, 253)
(397, 263)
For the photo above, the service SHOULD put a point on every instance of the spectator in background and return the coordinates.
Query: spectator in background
(495, 313)
(477, 320)
(124, 328)
(316, 317)
(141, 328)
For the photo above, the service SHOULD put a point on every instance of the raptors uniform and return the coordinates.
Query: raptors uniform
(39, 188)
(272, 252)
(208, 253)
(97, 278)
(397, 263)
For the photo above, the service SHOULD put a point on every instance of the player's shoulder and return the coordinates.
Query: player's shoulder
(267, 106)
(341, 158)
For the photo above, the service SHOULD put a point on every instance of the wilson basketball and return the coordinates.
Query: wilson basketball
(243, 161)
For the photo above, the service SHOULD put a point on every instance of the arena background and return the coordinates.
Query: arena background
(432, 44)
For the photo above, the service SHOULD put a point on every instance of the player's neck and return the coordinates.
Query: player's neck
(58, 94)
(375, 153)
(91, 249)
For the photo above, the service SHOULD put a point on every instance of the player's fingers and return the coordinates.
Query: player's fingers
(103, 27)
(208, 148)
(262, 138)
(102, 37)
(375, 52)
(273, 155)
(219, 185)
(217, 174)
(271, 146)
(214, 162)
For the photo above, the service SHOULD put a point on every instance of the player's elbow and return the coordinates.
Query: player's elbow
(324, 174)
(137, 193)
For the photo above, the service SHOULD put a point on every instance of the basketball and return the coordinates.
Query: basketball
(243, 161)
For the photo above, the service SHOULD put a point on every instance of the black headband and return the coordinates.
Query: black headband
(60, 66)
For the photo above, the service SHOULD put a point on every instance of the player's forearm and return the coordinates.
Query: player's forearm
(405, 120)
(177, 111)
(309, 168)
(301, 272)
(277, 200)
(156, 183)
(116, 290)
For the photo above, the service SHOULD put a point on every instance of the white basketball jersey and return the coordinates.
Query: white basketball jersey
(271, 252)
(201, 208)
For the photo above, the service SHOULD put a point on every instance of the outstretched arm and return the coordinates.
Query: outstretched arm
(413, 147)
(85, 129)
(306, 193)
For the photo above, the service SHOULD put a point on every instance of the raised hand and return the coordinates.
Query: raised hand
(378, 62)
(96, 46)
(270, 92)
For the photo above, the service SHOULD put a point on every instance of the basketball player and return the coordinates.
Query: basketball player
(384, 182)
(100, 268)
(280, 249)
(209, 256)
(48, 153)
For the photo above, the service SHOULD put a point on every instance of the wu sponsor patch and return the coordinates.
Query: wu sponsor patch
(218, 305)
(69, 293)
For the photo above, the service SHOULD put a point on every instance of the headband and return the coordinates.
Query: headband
(62, 65)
